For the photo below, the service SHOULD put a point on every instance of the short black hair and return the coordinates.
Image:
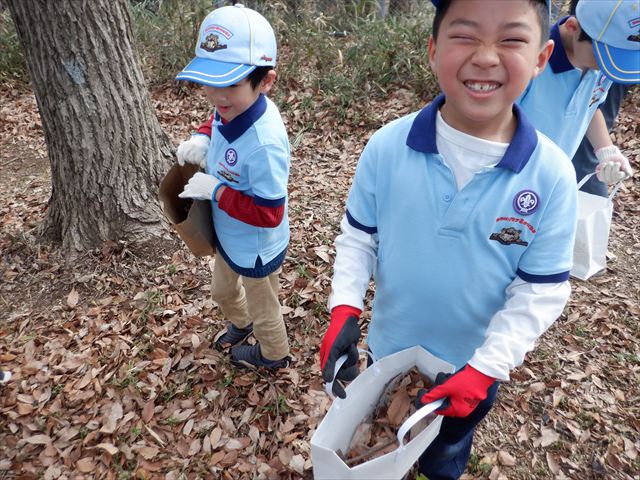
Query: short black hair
(541, 7)
(584, 36)
(258, 74)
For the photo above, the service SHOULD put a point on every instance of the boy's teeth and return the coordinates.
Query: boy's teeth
(481, 86)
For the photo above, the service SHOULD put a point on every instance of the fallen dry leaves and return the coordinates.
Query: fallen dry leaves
(115, 377)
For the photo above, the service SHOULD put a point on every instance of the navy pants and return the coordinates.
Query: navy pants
(584, 160)
(447, 456)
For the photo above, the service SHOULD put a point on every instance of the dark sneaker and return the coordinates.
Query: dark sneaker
(250, 356)
(4, 376)
(231, 336)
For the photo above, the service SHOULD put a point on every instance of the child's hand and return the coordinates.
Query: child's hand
(194, 151)
(464, 390)
(342, 338)
(613, 166)
(201, 187)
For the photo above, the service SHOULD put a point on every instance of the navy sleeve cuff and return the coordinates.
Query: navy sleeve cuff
(555, 278)
(354, 223)
(263, 202)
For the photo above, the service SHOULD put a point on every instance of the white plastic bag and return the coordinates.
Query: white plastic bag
(340, 423)
(592, 232)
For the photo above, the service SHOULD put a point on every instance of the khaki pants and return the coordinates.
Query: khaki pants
(245, 300)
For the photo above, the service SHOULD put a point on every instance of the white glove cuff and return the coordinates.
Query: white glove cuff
(215, 190)
(200, 138)
(604, 153)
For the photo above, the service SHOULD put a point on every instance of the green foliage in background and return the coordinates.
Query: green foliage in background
(339, 51)
(166, 38)
(345, 52)
(13, 69)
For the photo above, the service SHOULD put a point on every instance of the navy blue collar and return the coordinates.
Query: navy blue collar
(236, 127)
(559, 62)
(422, 136)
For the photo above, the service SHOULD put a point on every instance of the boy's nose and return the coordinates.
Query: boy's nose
(485, 56)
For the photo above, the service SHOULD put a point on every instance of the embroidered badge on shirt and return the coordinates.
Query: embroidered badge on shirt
(526, 202)
(509, 236)
(231, 157)
(227, 176)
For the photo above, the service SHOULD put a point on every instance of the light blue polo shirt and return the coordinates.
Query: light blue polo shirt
(446, 257)
(561, 101)
(251, 154)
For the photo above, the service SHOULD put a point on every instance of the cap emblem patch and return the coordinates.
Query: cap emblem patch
(212, 43)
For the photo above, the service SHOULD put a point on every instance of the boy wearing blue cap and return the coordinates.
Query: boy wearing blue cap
(597, 44)
(465, 216)
(245, 155)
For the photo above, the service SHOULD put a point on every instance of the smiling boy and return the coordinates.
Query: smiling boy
(465, 216)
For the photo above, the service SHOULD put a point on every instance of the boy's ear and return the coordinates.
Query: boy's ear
(432, 52)
(572, 25)
(267, 82)
(543, 57)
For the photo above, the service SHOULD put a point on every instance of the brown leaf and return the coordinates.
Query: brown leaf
(85, 465)
(147, 411)
(552, 462)
(506, 459)
(217, 457)
(148, 453)
(194, 447)
(72, 298)
(109, 447)
(215, 436)
(39, 440)
(399, 407)
(548, 437)
(110, 422)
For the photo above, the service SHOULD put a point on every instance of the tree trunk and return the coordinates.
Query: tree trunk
(106, 147)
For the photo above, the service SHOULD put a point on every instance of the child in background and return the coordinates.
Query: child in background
(597, 44)
(466, 217)
(585, 160)
(245, 154)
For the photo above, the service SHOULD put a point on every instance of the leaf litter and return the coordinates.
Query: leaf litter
(113, 371)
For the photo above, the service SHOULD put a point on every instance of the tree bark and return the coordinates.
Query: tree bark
(106, 147)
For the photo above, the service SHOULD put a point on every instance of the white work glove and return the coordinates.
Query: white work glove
(613, 166)
(201, 187)
(194, 151)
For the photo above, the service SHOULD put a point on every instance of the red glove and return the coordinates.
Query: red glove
(464, 390)
(342, 338)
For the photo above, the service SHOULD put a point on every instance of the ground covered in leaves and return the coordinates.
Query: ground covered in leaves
(114, 376)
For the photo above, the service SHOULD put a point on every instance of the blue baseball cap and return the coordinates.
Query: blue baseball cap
(437, 3)
(232, 42)
(614, 26)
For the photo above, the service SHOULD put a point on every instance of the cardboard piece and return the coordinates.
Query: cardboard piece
(191, 218)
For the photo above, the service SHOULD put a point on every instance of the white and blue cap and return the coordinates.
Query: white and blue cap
(614, 26)
(232, 42)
